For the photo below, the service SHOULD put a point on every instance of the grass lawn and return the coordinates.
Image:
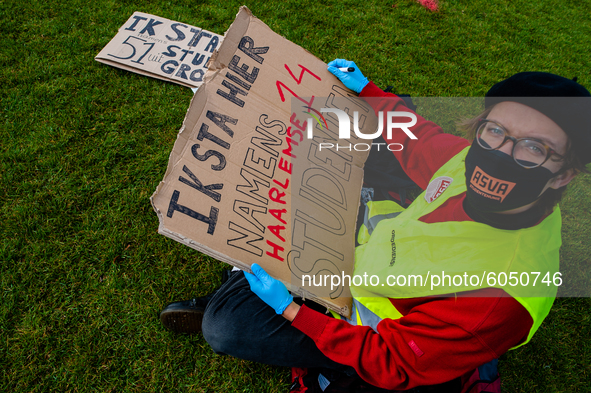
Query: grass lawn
(83, 272)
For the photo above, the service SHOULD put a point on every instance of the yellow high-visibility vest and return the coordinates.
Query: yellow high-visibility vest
(394, 243)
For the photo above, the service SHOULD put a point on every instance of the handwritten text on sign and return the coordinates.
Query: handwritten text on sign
(244, 184)
(163, 48)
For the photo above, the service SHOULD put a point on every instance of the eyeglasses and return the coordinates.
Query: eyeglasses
(527, 152)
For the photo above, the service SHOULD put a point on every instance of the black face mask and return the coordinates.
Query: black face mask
(496, 183)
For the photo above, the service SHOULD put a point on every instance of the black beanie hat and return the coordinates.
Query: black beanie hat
(551, 95)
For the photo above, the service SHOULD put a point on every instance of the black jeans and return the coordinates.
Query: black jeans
(238, 323)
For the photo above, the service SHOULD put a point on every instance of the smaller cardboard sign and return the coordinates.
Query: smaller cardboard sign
(161, 48)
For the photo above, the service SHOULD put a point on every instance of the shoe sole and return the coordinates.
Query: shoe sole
(182, 321)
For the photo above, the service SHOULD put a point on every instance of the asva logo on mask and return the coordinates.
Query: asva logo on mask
(488, 186)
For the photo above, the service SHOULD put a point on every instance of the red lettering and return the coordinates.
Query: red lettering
(276, 229)
(296, 123)
(288, 150)
(276, 248)
(304, 69)
(278, 196)
(279, 84)
(284, 186)
(285, 166)
(277, 214)
(296, 132)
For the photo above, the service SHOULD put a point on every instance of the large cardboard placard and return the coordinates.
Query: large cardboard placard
(161, 48)
(244, 184)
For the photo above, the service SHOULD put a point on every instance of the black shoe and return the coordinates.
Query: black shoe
(186, 316)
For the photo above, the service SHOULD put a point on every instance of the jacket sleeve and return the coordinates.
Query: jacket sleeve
(435, 342)
(420, 158)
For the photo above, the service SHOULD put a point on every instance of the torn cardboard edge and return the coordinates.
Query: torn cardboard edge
(231, 157)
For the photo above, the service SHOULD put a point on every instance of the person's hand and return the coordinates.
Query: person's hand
(353, 80)
(270, 290)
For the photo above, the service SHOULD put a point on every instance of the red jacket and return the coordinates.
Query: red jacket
(437, 339)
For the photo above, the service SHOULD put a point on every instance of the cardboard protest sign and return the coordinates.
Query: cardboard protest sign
(161, 48)
(246, 182)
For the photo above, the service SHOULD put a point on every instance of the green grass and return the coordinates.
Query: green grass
(83, 273)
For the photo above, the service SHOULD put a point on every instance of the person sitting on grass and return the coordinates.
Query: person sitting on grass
(495, 210)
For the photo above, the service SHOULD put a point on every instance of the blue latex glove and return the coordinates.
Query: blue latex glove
(270, 290)
(353, 80)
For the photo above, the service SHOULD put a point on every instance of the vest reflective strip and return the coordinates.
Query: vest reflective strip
(368, 318)
(377, 247)
(372, 223)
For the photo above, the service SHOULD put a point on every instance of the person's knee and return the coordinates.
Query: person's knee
(218, 332)
(210, 333)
